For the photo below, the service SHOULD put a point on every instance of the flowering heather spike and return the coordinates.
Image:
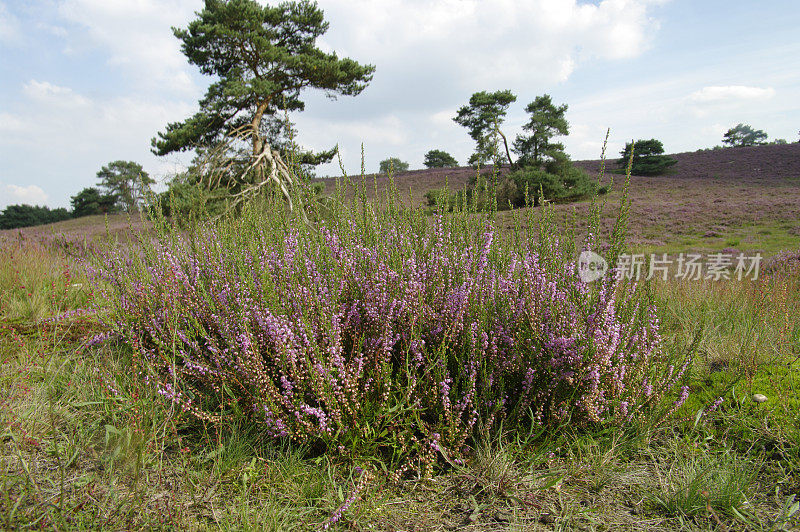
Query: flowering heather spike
(325, 336)
(98, 339)
(70, 314)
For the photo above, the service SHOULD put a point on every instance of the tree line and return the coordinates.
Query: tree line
(123, 186)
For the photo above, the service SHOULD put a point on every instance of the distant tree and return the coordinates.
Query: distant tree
(15, 216)
(744, 135)
(482, 117)
(394, 165)
(127, 181)
(90, 201)
(262, 57)
(779, 141)
(648, 158)
(546, 122)
(439, 159)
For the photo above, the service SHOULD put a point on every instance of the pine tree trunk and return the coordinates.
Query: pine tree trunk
(258, 141)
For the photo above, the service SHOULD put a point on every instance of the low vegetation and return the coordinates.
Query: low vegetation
(440, 372)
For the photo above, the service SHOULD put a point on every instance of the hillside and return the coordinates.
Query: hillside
(743, 198)
(753, 162)
(733, 164)
(746, 198)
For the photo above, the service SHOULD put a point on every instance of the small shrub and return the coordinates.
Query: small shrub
(187, 199)
(437, 196)
(380, 330)
(559, 181)
(90, 201)
(785, 263)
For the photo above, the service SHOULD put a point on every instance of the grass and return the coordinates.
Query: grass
(84, 444)
(766, 237)
(36, 280)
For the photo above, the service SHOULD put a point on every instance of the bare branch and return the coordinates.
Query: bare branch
(222, 167)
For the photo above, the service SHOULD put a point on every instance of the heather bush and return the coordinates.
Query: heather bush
(786, 263)
(376, 328)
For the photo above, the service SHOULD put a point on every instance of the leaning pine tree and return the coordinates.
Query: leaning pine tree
(263, 57)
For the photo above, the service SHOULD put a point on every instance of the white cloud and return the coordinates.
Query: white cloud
(60, 113)
(30, 195)
(10, 28)
(431, 55)
(10, 123)
(66, 136)
(136, 36)
(719, 93)
(715, 130)
(47, 93)
(57, 31)
(498, 42)
(444, 117)
(389, 130)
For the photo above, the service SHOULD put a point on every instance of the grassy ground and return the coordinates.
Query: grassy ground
(85, 445)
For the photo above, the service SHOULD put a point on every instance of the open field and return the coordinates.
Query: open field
(85, 443)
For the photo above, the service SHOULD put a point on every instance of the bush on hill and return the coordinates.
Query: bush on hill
(90, 201)
(566, 184)
(557, 181)
(648, 158)
(439, 159)
(744, 135)
(394, 165)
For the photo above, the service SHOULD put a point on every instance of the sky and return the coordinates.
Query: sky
(87, 82)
